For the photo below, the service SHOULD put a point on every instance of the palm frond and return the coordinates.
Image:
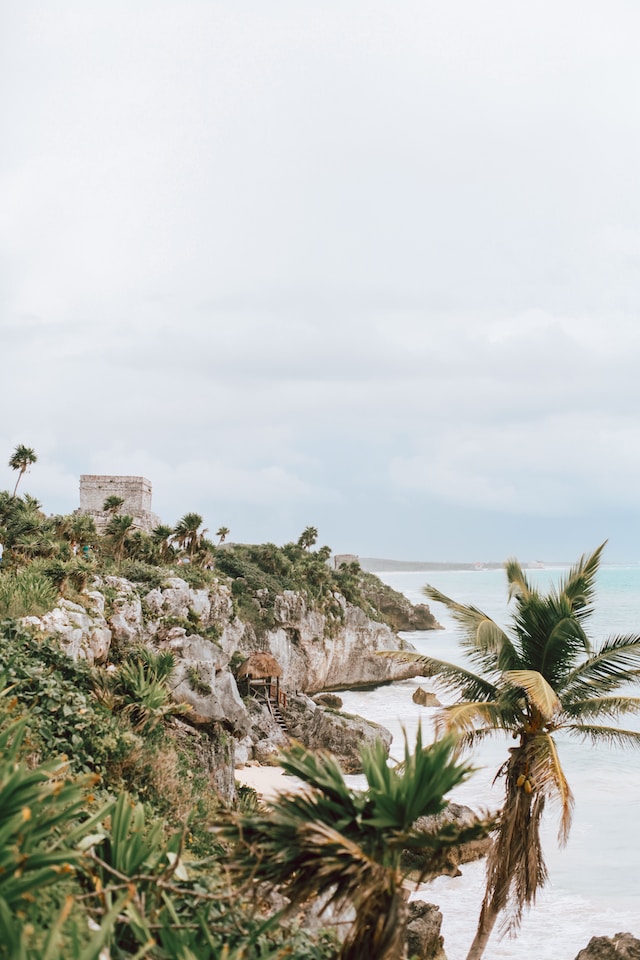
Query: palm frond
(615, 664)
(466, 716)
(566, 640)
(548, 775)
(399, 796)
(469, 685)
(597, 707)
(579, 583)
(538, 691)
(610, 736)
(485, 642)
(519, 586)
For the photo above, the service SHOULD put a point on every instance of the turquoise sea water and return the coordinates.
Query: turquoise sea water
(594, 886)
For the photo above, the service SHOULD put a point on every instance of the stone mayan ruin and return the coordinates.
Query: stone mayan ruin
(135, 491)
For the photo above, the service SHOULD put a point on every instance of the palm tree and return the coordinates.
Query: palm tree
(329, 840)
(112, 504)
(188, 534)
(160, 537)
(21, 458)
(222, 533)
(540, 678)
(118, 530)
(308, 537)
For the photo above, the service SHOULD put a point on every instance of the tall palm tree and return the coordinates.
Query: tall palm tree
(20, 460)
(330, 840)
(188, 534)
(541, 678)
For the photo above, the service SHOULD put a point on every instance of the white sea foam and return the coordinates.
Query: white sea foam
(594, 888)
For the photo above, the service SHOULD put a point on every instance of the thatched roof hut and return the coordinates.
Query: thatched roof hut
(259, 666)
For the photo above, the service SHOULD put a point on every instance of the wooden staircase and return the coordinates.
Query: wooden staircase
(274, 710)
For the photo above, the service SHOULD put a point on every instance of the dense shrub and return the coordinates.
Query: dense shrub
(65, 717)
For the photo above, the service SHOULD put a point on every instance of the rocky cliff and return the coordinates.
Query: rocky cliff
(316, 648)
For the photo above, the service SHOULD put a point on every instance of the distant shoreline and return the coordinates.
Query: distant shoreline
(378, 565)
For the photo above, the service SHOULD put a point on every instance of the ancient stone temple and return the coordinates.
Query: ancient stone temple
(135, 491)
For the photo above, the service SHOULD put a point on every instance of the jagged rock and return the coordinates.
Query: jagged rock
(319, 651)
(216, 696)
(425, 698)
(423, 931)
(195, 648)
(267, 737)
(82, 636)
(464, 853)
(339, 733)
(397, 610)
(243, 751)
(331, 700)
(622, 946)
(214, 754)
(266, 752)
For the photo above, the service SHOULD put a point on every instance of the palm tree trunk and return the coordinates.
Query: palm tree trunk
(486, 924)
(18, 480)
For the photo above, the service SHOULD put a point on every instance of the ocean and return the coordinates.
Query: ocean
(594, 885)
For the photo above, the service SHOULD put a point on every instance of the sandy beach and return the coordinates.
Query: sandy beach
(266, 781)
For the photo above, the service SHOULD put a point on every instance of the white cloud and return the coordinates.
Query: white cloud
(317, 260)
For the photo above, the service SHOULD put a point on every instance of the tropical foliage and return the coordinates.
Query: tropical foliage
(20, 460)
(346, 845)
(537, 679)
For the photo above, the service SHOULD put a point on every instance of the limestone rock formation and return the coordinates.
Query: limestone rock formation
(423, 931)
(464, 853)
(622, 946)
(317, 652)
(398, 612)
(331, 700)
(425, 698)
(318, 649)
(341, 734)
(83, 634)
(212, 695)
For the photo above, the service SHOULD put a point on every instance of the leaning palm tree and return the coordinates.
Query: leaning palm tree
(222, 533)
(346, 845)
(21, 459)
(541, 678)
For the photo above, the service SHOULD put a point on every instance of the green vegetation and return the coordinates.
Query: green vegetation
(111, 833)
(21, 459)
(540, 678)
(346, 845)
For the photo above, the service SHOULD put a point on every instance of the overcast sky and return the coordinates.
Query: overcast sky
(371, 266)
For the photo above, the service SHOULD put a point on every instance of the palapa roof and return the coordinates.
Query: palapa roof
(259, 666)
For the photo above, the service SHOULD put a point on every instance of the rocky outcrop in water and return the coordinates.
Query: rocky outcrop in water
(423, 937)
(462, 817)
(622, 946)
(425, 698)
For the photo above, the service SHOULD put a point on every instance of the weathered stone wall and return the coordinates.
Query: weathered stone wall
(135, 491)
